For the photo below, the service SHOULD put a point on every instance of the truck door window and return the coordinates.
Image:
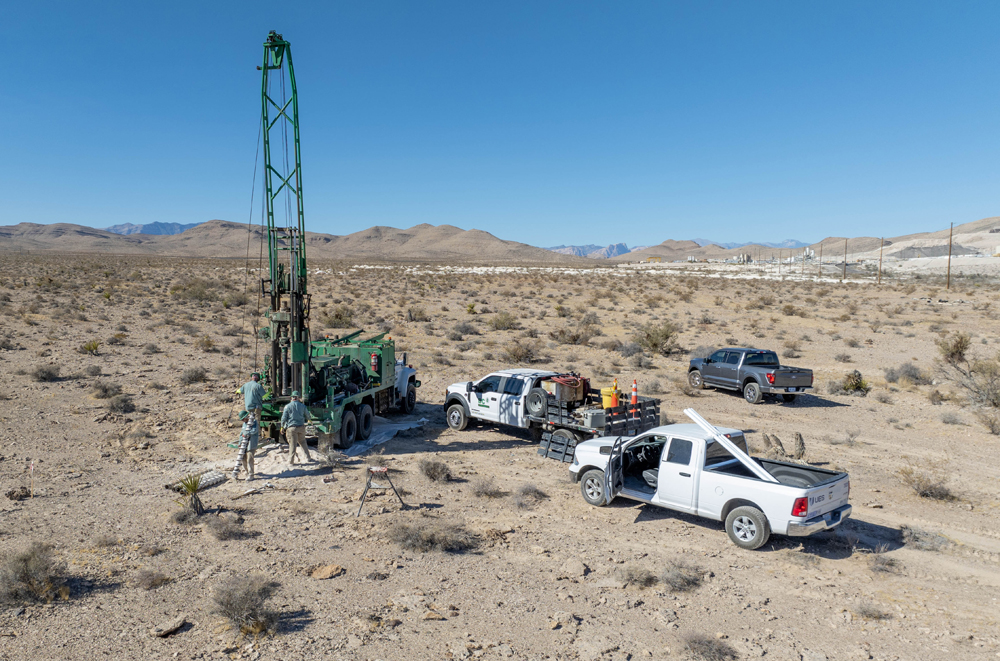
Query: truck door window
(765, 358)
(718, 357)
(733, 358)
(679, 452)
(513, 386)
(489, 384)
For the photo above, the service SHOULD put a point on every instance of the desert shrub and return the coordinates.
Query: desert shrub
(855, 384)
(528, 495)
(906, 372)
(465, 328)
(635, 575)
(989, 419)
(704, 648)
(235, 300)
(866, 610)
(626, 349)
(843, 357)
(120, 404)
(679, 575)
(230, 331)
(923, 540)
(517, 352)
(339, 317)
(31, 574)
(243, 601)
(883, 397)
(954, 347)
(193, 375)
(148, 579)
(486, 487)
(205, 343)
(149, 349)
(926, 486)
(880, 562)
(105, 541)
(435, 471)
(660, 339)
(44, 373)
(105, 390)
(195, 289)
(578, 335)
(417, 314)
(432, 536)
(503, 321)
(116, 339)
(851, 342)
(89, 347)
(92, 370)
(950, 419)
(223, 528)
(702, 351)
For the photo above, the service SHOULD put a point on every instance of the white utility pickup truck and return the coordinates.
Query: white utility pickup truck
(706, 471)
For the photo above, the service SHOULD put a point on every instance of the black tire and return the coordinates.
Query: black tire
(538, 402)
(788, 399)
(536, 433)
(366, 420)
(748, 528)
(592, 487)
(410, 401)
(348, 430)
(566, 434)
(457, 419)
(695, 380)
(752, 393)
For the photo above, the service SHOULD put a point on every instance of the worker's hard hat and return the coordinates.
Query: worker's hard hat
(255, 374)
(243, 415)
(295, 393)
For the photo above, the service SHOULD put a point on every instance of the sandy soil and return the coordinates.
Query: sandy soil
(545, 580)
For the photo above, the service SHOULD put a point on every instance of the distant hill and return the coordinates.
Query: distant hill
(155, 229)
(785, 245)
(219, 238)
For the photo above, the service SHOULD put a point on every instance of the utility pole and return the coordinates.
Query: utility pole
(950, 233)
(880, 260)
(844, 277)
(820, 259)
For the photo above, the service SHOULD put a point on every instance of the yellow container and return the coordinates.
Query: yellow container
(608, 395)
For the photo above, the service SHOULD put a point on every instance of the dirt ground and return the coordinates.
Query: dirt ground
(549, 577)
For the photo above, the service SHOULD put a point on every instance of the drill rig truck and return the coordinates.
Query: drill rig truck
(343, 381)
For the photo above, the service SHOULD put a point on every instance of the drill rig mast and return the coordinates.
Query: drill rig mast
(286, 367)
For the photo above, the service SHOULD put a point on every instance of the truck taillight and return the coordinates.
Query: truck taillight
(800, 507)
(811, 377)
(770, 378)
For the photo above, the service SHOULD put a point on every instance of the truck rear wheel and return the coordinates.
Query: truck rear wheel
(457, 419)
(410, 400)
(366, 420)
(538, 402)
(748, 528)
(751, 393)
(592, 487)
(348, 430)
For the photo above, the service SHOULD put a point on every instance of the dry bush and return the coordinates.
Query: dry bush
(907, 373)
(432, 536)
(89, 347)
(989, 419)
(193, 375)
(954, 347)
(31, 575)
(243, 601)
(926, 486)
(679, 575)
(486, 487)
(518, 352)
(843, 357)
(855, 384)
(528, 495)
(636, 575)
(435, 471)
(205, 343)
(704, 648)
(503, 321)
(579, 335)
(883, 397)
(105, 390)
(339, 317)
(867, 610)
(92, 370)
(105, 541)
(147, 579)
(660, 339)
(949, 418)
(923, 540)
(45, 373)
(417, 314)
(224, 528)
(880, 563)
(120, 404)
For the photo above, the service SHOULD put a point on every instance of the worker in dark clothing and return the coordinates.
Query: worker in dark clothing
(253, 395)
(293, 421)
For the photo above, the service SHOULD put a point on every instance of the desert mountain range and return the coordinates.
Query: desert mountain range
(445, 243)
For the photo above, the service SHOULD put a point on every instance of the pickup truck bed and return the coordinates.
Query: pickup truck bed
(618, 421)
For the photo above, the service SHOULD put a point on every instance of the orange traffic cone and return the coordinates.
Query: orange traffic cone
(614, 395)
(635, 398)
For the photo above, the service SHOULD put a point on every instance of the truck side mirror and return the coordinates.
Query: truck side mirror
(708, 360)
(468, 387)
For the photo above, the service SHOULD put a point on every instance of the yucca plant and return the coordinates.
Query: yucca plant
(189, 487)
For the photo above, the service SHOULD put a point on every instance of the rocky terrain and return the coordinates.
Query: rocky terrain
(120, 375)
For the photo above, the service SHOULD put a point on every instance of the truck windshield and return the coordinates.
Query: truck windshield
(716, 454)
(766, 358)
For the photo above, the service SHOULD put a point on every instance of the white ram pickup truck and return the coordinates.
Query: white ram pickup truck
(706, 471)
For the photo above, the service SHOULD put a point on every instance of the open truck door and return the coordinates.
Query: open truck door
(614, 477)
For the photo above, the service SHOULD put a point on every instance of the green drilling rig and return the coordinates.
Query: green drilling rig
(344, 381)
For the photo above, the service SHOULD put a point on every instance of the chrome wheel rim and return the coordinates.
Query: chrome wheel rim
(454, 418)
(750, 393)
(744, 528)
(593, 488)
(695, 379)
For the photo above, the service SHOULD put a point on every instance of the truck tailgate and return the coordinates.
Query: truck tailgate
(792, 378)
(828, 497)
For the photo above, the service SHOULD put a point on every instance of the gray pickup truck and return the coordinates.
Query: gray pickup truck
(754, 372)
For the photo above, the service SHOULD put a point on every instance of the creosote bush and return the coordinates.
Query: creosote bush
(243, 601)
(120, 404)
(518, 352)
(926, 486)
(704, 648)
(486, 487)
(528, 495)
(680, 575)
(432, 536)
(435, 471)
(31, 575)
(193, 375)
(636, 575)
(660, 339)
(147, 579)
(502, 321)
(45, 373)
(105, 390)
(907, 373)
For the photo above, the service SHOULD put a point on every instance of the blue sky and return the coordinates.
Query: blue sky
(548, 123)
